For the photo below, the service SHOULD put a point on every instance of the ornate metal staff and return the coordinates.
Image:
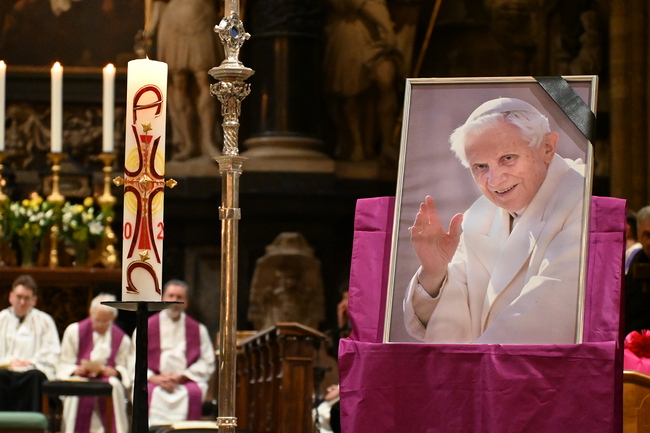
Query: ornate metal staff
(230, 89)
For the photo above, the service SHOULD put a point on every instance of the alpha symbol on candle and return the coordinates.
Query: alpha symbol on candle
(157, 103)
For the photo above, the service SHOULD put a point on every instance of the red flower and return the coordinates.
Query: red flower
(639, 343)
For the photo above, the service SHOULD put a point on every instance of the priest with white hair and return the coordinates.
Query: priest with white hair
(96, 349)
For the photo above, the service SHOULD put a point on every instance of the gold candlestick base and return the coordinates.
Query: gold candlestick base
(7, 254)
(3, 196)
(105, 253)
(55, 196)
(107, 199)
(57, 199)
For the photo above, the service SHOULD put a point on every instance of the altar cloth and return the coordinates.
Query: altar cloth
(465, 388)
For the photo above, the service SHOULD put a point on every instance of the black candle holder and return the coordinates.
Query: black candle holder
(140, 419)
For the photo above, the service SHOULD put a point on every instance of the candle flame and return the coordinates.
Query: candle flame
(109, 67)
(56, 66)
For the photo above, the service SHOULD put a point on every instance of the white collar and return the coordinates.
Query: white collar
(517, 214)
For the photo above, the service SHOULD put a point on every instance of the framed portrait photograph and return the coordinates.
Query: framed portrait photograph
(492, 205)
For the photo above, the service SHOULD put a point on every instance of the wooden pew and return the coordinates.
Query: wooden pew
(275, 379)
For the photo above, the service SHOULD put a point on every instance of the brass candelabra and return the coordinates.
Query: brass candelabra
(3, 196)
(107, 254)
(7, 255)
(57, 199)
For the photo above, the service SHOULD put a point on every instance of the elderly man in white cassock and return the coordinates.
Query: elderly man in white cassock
(181, 360)
(507, 271)
(97, 349)
(29, 348)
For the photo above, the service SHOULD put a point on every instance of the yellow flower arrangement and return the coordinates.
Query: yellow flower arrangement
(28, 222)
(82, 228)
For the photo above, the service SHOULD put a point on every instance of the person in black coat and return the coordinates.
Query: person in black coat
(637, 280)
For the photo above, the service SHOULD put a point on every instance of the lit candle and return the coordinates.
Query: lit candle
(56, 115)
(108, 109)
(144, 171)
(3, 80)
(231, 6)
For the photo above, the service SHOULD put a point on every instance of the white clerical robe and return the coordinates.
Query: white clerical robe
(34, 339)
(166, 407)
(518, 287)
(101, 352)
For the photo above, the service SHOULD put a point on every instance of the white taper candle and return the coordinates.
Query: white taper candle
(56, 114)
(108, 108)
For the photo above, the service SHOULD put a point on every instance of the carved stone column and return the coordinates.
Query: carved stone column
(284, 112)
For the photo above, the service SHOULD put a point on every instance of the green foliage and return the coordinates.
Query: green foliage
(82, 224)
(31, 218)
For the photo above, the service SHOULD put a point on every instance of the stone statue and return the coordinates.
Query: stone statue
(26, 134)
(287, 285)
(188, 44)
(362, 70)
(589, 58)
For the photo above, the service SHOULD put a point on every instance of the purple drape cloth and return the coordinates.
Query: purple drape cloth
(86, 341)
(192, 342)
(452, 388)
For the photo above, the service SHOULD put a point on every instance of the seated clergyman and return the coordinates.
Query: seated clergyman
(181, 360)
(29, 348)
(97, 349)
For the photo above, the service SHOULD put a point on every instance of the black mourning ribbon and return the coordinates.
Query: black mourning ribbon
(571, 103)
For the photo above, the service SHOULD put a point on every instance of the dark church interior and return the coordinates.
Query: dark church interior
(320, 130)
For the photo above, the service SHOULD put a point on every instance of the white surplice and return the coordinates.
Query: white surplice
(100, 353)
(35, 339)
(168, 407)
